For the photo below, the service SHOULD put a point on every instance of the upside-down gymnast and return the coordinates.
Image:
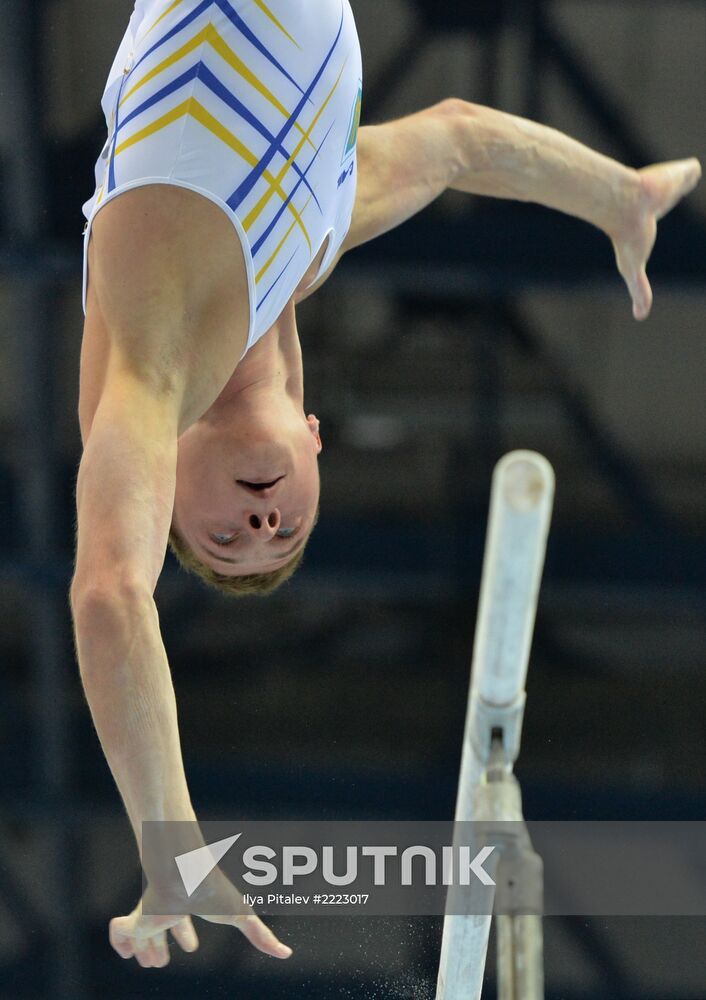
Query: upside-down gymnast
(234, 178)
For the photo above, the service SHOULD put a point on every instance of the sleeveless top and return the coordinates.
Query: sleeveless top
(255, 104)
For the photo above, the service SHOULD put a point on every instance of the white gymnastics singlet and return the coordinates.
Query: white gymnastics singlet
(254, 104)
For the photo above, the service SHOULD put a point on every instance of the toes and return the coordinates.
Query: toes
(261, 937)
(638, 285)
(641, 296)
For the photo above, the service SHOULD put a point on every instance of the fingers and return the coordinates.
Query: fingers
(121, 937)
(185, 935)
(152, 953)
(261, 937)
(149, 949)
(148, 945)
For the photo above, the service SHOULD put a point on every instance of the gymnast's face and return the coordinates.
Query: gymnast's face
(246, 497)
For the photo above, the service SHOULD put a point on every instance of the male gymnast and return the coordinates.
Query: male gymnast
(233, 179)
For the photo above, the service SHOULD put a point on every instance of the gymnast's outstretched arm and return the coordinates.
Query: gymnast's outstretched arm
(156, 311)
(125, 492)
(406, 164)
(124, 496)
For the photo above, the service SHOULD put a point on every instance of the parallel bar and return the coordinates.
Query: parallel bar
(520, 513)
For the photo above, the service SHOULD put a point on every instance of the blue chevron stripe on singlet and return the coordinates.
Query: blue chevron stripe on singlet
(253, 104)
(199, 73)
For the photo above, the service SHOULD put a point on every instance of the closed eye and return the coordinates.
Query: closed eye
(224, 539)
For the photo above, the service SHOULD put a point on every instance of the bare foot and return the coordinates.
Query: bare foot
(662, 186)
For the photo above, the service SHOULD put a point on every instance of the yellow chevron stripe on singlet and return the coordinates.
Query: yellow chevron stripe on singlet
(260, 3)
(268, 13)
(210, 34)
(268, 263)
(192, 107)
(163, 15)
(255, 212)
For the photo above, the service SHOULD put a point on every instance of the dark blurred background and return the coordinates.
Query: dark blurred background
(478, 328)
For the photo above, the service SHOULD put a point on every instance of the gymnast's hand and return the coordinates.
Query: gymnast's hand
(145, 937)
(660, 188)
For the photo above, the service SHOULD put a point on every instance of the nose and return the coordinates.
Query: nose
(263, 526)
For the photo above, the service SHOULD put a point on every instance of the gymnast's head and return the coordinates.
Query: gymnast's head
(247, 492)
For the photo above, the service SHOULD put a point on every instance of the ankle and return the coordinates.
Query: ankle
(633, 196)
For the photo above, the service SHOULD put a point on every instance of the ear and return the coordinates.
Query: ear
(313, 423)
